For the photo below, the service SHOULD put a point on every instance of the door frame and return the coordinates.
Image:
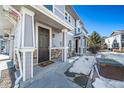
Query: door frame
(77, 45)
(37, 41)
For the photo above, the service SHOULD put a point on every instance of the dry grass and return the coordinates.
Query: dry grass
(8, 78)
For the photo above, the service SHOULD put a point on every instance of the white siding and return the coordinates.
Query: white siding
(109, 41)
(72, 20)
(78, 26)
(59, 11)
(61, 8)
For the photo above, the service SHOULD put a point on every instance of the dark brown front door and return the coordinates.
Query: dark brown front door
(43, 50)
(76, 45)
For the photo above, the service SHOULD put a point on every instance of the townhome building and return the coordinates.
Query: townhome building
(80, 38)
(116, 40)
(34, 34)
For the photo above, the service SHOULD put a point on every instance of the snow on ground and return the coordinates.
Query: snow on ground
(112, 55)
(83, 65)
(3, 57)
(72, 59)
(102, 82)
(107, 83)
(6, 64)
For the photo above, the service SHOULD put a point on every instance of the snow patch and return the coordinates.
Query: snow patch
(83, 65)
(5, 64)
(99, 83)
(72, 59)
(111, 55)
(3, 57)
(107, 83)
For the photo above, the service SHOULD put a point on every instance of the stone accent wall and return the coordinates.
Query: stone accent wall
(35, 57)
(118, 50)
(56, 54)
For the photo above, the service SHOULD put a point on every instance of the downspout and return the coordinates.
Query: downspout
(20, 69)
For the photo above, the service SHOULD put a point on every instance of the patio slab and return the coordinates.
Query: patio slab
(51, 76)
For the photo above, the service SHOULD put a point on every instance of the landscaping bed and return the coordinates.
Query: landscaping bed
(110, 68)
(8, 78)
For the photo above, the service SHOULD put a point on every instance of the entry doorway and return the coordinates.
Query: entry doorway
(43, 44)
(76, 42)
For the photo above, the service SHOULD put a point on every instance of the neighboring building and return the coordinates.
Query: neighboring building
(39, 33)
(80, 38)
(116, 40)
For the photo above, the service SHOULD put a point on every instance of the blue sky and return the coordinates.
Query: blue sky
(103, 19)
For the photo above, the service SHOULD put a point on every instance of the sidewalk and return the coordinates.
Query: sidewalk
(51, 76)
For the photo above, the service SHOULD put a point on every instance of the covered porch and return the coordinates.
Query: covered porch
(52, 45)
(43, 37)
(8, 23)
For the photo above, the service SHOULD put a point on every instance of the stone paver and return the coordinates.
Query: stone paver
(51, 76)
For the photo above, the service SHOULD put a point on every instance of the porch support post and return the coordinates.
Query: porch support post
(120, 44)
(81, 40)
(50, 44)
(27, 44)
(64, 45)
(11, 46)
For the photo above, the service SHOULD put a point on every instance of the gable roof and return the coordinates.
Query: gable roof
(117, 32)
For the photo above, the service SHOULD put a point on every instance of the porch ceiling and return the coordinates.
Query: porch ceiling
(46, 17)
(46, 20)
(41, 17)
(5, 24)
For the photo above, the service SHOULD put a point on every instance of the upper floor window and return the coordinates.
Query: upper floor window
(49, 7)
(66, 16)
(78, 30)
(122, 37)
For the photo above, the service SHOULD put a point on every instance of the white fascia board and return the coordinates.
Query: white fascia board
(52, 16)
(25, 11)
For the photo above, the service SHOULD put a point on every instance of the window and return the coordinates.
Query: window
(122, 37)
(49, 7)
(115, 44)
(78, 30)
(122, 44)
(66, 15)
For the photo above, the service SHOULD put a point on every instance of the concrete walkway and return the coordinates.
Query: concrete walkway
(51, 76)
